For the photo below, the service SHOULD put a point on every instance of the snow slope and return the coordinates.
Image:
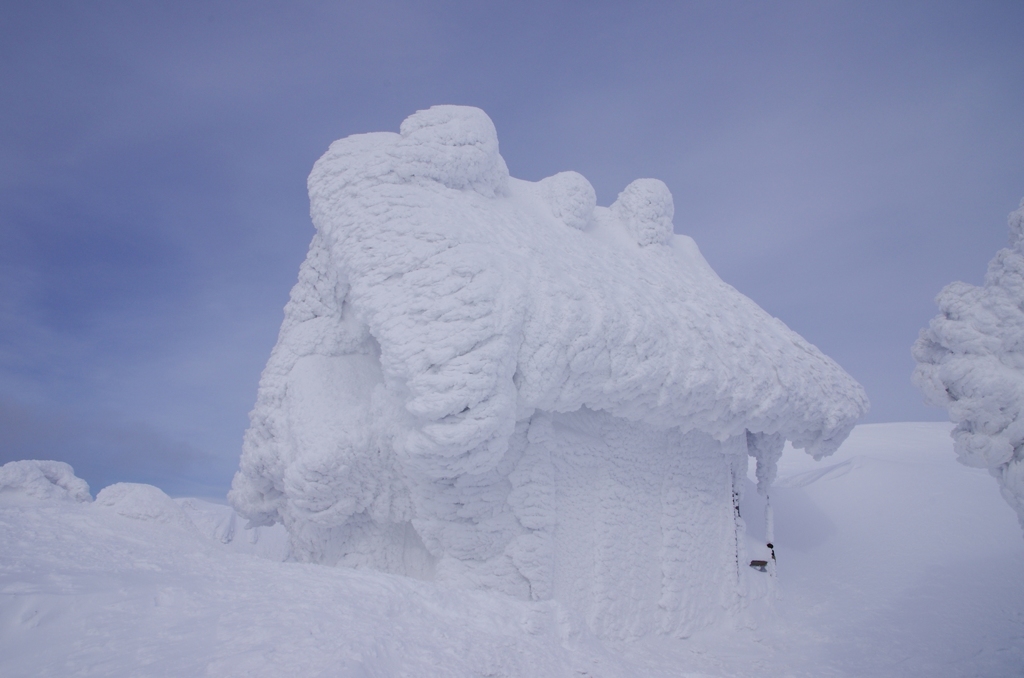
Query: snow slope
(893, 560)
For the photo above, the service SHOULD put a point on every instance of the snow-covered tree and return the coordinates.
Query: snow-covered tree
(971, 361)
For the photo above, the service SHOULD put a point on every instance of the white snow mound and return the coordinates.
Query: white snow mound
(43, 479)
(646, 208)
(143, 502)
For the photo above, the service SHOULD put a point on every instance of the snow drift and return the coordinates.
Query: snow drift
(43, 479)
(895, 562)
(501, 384)
(971, 362)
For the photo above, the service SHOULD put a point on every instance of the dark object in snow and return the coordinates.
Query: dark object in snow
(772, 547)
(759, 565)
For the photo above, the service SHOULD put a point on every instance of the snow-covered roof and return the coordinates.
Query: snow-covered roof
(492, 297)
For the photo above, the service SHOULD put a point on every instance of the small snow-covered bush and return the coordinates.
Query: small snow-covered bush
(971, 362)
(43, 479)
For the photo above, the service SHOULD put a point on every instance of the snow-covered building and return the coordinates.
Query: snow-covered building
(498, 383)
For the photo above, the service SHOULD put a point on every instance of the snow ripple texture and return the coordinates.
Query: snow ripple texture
(971, 362)
(446, 311)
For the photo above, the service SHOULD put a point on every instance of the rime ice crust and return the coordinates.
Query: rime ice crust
(43, 479)
(971, 362)
(448, 317)
(646, 208)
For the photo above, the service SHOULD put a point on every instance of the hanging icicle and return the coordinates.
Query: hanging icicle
(766, 449)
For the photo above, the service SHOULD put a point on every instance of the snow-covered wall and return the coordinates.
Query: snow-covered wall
(971, 362)
(449, 319)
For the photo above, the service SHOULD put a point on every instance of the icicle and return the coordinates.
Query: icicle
(766, 449)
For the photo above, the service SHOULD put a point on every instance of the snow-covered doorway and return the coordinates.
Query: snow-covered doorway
(642, 535)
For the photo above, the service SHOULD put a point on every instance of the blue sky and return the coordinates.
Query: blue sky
(838, 162)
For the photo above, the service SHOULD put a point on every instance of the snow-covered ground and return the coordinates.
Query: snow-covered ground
(893, 560)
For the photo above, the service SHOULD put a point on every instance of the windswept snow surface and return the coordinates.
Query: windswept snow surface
(971, 362)
(462, 347)
(893, 561)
